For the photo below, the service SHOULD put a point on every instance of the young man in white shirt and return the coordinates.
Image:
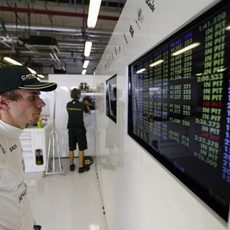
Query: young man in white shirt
(20, 104)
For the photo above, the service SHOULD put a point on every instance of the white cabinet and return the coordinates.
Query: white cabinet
(34, 143)
(89, 121)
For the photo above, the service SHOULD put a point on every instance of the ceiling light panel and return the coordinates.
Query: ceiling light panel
(94, 7)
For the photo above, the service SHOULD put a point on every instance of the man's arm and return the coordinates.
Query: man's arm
(87, 106)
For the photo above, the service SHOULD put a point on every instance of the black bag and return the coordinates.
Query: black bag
(37, 227)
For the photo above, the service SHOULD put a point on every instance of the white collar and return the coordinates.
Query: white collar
(10, 130)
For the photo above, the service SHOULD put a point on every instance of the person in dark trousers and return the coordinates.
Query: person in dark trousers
(20, 104)
(77, 131)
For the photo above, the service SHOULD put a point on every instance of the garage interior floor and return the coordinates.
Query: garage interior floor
(71, 201)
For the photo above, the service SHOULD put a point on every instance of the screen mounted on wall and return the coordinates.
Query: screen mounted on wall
(111, 98)
(179, 105)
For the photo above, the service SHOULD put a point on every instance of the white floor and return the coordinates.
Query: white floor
(69, 202)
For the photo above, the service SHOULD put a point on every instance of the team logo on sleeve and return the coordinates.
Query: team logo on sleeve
(21, 196)
(13, 147)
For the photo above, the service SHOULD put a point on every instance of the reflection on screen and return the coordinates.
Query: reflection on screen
(179, 105)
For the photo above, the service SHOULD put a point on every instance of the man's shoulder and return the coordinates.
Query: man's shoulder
(69, 103)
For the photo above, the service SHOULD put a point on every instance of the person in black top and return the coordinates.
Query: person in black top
(77, 131)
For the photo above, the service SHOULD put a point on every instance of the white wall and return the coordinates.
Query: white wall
(138, 192)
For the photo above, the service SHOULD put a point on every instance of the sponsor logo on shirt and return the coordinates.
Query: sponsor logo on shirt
(74, 109)
(13, 147)
(3, 150)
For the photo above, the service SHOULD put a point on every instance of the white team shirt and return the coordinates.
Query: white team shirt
(15, 211)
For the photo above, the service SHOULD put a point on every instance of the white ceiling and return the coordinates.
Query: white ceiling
(49, 36)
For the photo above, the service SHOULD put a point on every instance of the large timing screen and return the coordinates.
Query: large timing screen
(179, 105)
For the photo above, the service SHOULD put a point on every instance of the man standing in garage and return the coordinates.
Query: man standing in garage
(77, 131)
(20, 104)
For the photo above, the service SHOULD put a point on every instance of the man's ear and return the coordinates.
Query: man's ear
(4, 103)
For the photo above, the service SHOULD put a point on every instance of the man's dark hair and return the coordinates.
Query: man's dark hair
(11, 95)
(75, 94)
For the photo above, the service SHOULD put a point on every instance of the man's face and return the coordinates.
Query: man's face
(27, 109)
